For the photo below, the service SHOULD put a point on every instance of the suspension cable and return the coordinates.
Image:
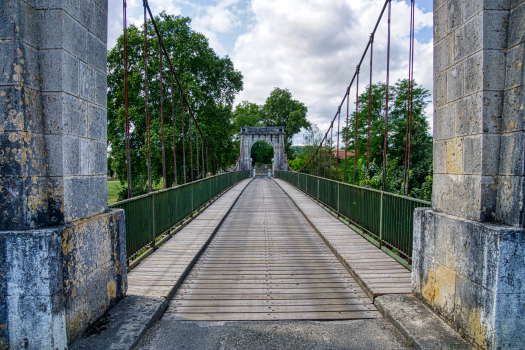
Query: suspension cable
(126, 101)
(146, 97)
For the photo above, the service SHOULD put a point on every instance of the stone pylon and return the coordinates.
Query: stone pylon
(469, 248)
(62, 252)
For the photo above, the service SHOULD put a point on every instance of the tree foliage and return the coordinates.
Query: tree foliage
(420, 184)
(210, 84)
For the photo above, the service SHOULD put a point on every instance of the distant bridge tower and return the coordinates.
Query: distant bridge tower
(273, 135)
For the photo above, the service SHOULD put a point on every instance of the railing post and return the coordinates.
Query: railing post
(338, 191)
(381, 222)
(152, 244)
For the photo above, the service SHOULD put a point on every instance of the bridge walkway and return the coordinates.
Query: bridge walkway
(266, 262)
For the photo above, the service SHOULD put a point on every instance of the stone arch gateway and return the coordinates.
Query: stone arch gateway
(273, 135)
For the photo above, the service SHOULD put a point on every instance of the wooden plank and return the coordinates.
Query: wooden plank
(272, 316)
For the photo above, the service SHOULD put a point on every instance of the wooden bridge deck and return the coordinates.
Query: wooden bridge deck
(267, 263)
(277, 255)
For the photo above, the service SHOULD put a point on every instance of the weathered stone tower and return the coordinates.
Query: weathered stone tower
(273, 135)
(469, 249)
(62, 252)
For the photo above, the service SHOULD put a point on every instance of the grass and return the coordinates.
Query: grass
(114, 187)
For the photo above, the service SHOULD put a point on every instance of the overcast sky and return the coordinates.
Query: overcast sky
(311, 47)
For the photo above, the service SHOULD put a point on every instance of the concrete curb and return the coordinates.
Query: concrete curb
(123, 326)
(422, 328)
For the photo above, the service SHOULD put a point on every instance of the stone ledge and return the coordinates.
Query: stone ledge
(420, 326)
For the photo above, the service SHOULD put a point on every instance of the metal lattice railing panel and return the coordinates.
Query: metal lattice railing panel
(386, 217)
(150, 215)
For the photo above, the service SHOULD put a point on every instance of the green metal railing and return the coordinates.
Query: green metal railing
(150, 215)
(385, 219)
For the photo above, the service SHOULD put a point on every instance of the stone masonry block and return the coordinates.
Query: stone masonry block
(444, 122)
(480, 190)
(495, 28)
(101, 163)
(479, 113)
(509, 209)
(59, 30)
(84, 196)
(455, 76)
(438, 4)
(516, 26)
(440, 238)
(97, 56)
(493, 70)
(63, 155)
(445, 291)
(100, 21)
(103, 4)
(471, 8)
(97, 122)
(454, 160)
(19, 14)
(440, 157)
(440, 24)
(101, 83)
(513, 110)
(515, 3)
(87, 14)
(33, 262)
(473, 311)
(22, 154)
(88, 157)
(512, 154)
(27, 202)
(455, 15)
(72, 7)
(481, 154)
(464, 249)
(36, 322)
(87, 82)
(64, 114)
(473, 68)
(440, 89)
(443, 54)
(510, 265)
(469, 38)
(59, 71)
(19, 64)
(515, 72)
(509, 321)
(19, 110)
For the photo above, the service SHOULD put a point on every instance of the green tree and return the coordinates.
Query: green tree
(210, 82)
(262, 153)
(281, 110)
(421, 141)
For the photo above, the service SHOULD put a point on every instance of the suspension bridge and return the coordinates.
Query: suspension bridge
(218, 244)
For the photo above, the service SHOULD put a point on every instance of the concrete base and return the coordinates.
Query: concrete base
(473, 274)
(58, 280)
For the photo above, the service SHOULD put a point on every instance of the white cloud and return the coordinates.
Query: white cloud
(221, 18)
(312, 47)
